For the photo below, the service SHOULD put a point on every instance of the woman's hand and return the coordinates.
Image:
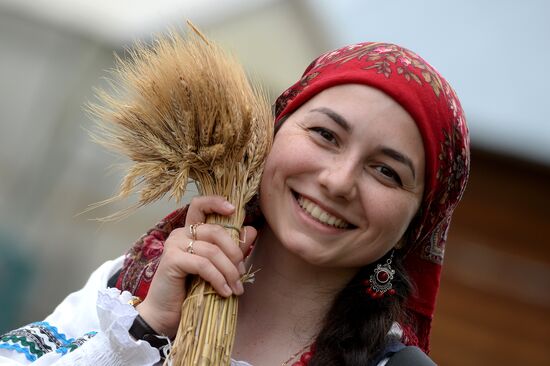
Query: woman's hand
(215, 258)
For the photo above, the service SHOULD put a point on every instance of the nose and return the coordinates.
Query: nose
(339, 179)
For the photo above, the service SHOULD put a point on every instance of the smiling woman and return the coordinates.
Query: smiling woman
(334, 160)
(369, 160)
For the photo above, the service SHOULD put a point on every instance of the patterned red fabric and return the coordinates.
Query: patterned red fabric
(432, 103)
(434, 106)
(142, 260)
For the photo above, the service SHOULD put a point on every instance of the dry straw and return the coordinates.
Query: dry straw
(183, 109)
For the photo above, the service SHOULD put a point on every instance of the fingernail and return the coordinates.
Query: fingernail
(242, 269)
(239, 287)
(227, 290)
(229, 206)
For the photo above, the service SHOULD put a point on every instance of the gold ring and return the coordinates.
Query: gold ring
(190, 247)
(193, 230)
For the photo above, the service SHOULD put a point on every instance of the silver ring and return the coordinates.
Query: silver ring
(190, 247)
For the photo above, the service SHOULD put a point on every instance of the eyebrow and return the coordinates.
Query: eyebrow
(396, 155)
(341, 121)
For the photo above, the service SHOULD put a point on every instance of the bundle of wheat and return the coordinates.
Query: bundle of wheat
(183, 109)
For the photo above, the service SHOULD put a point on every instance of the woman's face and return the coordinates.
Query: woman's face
(344, 178)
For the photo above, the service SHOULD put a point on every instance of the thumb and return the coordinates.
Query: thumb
(248, 236)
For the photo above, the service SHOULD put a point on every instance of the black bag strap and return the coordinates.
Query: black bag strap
(410, 356)
(114, 278)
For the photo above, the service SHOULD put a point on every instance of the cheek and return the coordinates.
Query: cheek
(400, 217)
(289, 156)
(273, 177)
(391, 212)
(266, 183)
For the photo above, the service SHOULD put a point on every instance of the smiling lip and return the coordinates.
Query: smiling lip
(320, 214)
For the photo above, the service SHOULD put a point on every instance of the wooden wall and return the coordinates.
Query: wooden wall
(494, 304)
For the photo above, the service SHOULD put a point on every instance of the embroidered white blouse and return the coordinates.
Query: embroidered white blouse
(89, 327)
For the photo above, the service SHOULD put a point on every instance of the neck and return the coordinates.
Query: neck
(285, 307)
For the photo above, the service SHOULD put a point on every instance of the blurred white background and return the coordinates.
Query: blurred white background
(54, 52)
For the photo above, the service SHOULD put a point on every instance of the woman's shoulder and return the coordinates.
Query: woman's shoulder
(409, 356)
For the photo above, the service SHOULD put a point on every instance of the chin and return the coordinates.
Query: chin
(312, 255)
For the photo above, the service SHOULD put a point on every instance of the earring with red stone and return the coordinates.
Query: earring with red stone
(379, 283)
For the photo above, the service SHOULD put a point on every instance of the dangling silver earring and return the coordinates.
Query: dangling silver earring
(379, 283)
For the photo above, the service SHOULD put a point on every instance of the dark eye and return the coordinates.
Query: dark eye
(390, 173)
(324, 133)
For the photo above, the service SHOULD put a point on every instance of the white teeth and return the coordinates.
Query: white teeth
(321, 215)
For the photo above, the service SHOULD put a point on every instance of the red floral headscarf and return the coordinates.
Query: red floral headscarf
(432, 103)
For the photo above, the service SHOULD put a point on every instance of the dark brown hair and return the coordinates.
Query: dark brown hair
(356, 327)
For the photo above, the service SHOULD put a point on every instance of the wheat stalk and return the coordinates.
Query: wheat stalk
(183, 109)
